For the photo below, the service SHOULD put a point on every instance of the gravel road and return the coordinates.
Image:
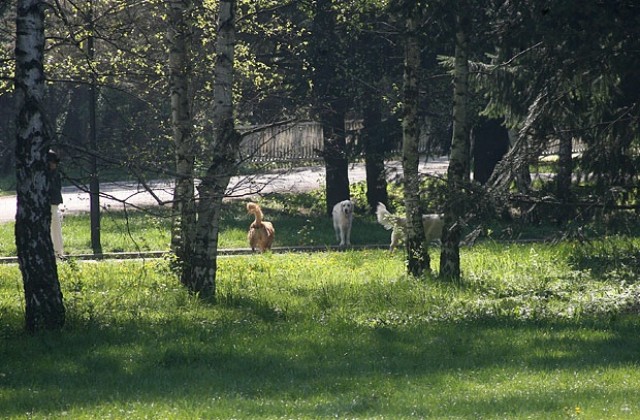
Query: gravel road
(115, 195)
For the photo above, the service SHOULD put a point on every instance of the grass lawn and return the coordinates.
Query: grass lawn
(531, 332)
(150, 231)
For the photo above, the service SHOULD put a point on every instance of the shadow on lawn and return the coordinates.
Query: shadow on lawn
(334, 362)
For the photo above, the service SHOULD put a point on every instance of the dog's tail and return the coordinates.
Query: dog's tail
(385, 218)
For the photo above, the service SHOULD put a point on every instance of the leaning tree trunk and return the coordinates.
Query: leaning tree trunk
(43, 297)
(200, 272)
(184, 207)
(416, 244)
(458, 171)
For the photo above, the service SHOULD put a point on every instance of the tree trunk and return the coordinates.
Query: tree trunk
(417, 250)
(200, 272)
(7, 133)
(374, 155)
(329, 104)
(458, 171)
(94, 182)
(184, 207)
(563, 178)
(565, 167)
(75, 122)
(335, 159)
(522, 176)
(490, 143)
(43, 297)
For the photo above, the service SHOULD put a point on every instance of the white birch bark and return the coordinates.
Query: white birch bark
(458, 171)
(43, 298)
(417, 251)
(183, 210)
(203, 265)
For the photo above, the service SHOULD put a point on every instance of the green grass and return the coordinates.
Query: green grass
(150, 231)
(531, 330)
(529, 333)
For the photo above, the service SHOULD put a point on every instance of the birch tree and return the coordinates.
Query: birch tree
(417, 250)
(184, 209)
(199, 273)
(458, 171)
(43, 297)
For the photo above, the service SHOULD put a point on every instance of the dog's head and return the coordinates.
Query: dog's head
(346, 207)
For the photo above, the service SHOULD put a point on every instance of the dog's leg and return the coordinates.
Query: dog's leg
(394, 240)
(347, 234)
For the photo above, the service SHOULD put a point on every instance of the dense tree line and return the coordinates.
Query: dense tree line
(163, 86)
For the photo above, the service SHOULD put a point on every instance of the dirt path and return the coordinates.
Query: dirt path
(115, 195)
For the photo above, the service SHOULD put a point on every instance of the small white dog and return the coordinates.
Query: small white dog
(342, 219)
(432, 224)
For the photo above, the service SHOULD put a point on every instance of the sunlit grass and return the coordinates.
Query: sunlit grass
(150, 231)
(338, 334)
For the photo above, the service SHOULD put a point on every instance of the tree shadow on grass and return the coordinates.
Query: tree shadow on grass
(322, 367)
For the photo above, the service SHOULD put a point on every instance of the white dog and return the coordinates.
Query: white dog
(432, 224)
(342, 219)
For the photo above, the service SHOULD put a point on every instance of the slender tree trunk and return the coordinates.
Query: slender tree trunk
(417, 250)
(43, 297)
(565, 167)
(563, 178)
(201, 271)
(75, 122)
(329, 104)
(459, 170)
(373, 154)
(94, 183)
(184, 207)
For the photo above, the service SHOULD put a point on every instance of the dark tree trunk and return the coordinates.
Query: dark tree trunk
(490, 144)
(75, 122)
(563, 178)
(94, 182)
(373, 141)
(329, 105)
(335, 159)
(43, 297)
(7, 133)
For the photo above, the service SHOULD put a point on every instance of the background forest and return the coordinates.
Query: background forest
(173, 89)
(564, 70)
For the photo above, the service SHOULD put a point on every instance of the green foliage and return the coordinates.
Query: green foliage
(609, 258)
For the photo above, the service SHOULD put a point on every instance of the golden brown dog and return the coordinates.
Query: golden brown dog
(261, 233)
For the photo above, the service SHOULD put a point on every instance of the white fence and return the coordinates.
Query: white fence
(297, 141)
(304, 141)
